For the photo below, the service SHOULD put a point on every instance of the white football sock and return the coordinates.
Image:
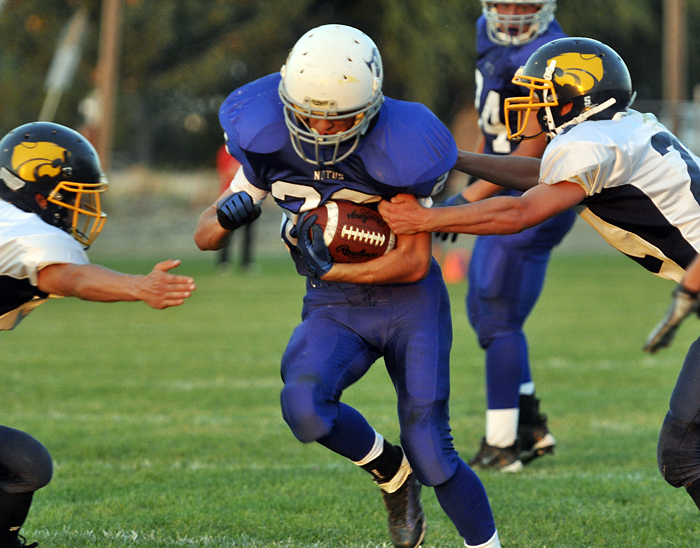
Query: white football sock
(376, 450)
(527, 389)
(493, 542)
(502, 426)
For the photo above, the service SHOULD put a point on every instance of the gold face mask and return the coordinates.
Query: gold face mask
(577, 71)
(38, 161)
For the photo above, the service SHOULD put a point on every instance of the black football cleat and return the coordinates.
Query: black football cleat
(406, 519)
(503, 459)
(534, 438)
(536, 441)
(18, 542)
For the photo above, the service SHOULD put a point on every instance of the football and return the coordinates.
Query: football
(354, 233)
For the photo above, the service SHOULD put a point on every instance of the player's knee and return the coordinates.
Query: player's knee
(433, 460)
(41, 470)
(301, 413)
(678, 451)
(28, 461)
(488, 332)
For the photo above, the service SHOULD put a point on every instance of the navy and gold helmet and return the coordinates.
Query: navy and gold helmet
(55, 172)
(569, 80)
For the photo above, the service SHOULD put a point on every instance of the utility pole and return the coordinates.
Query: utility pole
(110, 32)
(674, 60)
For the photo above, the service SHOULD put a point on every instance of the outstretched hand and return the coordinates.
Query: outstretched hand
(684, 303)
(404, 213)
(159, 289)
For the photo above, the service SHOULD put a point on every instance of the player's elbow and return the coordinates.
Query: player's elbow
(418, 269)
(517, 221)
(211, 241)
(202, 243)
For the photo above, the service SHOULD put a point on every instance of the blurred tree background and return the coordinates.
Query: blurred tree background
(180, 58)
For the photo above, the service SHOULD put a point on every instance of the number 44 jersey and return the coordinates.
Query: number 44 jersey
(495, 67)
(642, 187)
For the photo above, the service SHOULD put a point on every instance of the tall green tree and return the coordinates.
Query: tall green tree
(180, 58)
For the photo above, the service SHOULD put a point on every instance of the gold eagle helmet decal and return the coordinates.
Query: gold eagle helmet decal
(33, 161)
(580, 70)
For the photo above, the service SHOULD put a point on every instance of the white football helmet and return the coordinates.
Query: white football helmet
(517, 29)
(333, 71)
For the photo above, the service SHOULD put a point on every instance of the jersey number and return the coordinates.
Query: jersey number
(490, 117)
(663, 142)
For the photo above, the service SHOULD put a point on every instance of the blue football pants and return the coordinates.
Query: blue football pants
(345, 328)
(506, 276)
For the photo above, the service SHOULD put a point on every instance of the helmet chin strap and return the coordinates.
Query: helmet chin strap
(520, 138)
(580, 118)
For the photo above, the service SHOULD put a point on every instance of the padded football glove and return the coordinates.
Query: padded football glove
(237, 210)
(684, 303)
(311, 246)
(454, 200)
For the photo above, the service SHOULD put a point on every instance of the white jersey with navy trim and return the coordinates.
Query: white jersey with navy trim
(642, 187)
(28, 244)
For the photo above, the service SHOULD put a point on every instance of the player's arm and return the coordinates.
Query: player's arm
(686, 300)
(499, 215)
(521, 174)
(237, 206)
(408, 262)
(231, 211)
(477, 189)
(514, 172)
(209, 234)
(91, 282)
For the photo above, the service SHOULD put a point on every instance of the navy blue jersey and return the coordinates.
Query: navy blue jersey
(495, 67)
(406, 150)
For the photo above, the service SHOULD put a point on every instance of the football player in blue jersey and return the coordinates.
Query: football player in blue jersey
(322, 130)
(507, 273)
(50, 212)
(627, 175)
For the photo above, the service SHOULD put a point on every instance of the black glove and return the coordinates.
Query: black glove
(684, 303)
(313, 250)
(454, 200)
(237, 210)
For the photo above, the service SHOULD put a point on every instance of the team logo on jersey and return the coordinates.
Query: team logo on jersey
(583, 71)
(33, 161)
(328, 174)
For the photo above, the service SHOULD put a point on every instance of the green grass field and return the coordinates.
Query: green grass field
(166, 431)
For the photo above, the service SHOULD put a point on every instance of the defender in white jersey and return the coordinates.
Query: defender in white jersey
(50, 186)
(626, 174)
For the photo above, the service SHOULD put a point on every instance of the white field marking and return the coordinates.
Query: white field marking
(147, 538)
(197, 466)
(626, 426)
(231, 421)
(650, 474)
(230, 383)
(604, 365)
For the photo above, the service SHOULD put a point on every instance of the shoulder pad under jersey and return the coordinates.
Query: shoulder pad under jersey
(408, 149)
(252, 117)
